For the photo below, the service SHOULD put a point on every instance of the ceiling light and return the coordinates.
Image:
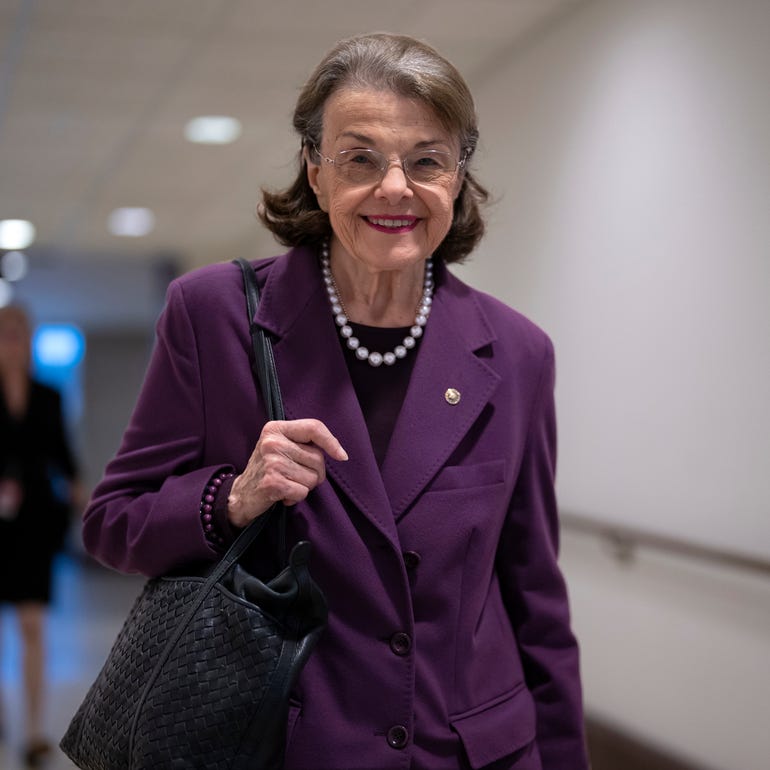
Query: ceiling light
(213, 129)
(16, 233)
(13, 265)
(131, 222)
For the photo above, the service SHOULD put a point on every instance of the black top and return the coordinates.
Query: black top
(34, 452)
(380, 389)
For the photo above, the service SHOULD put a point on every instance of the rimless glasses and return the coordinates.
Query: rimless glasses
(368, 167)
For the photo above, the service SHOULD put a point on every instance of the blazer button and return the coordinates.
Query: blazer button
(398, 736)
(400, 643)
(411, 559)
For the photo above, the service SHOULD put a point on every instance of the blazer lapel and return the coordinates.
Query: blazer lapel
(431, 424)
(314, 377)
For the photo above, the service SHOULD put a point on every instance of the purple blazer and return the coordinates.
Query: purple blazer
(449, 642)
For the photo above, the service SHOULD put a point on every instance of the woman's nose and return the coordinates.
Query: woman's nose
(394, 185)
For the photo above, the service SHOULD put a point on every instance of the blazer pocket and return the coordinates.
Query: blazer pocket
(500, 728)
(468, 476)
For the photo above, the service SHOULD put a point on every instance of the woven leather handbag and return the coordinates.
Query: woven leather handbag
(200, 674)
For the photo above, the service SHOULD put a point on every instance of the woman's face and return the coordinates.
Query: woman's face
(394, 223)
(14, 340)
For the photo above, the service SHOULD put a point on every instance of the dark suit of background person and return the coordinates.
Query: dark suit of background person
(36, 470)
(449, 642)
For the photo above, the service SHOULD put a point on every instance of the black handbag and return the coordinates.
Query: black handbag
(200, 674)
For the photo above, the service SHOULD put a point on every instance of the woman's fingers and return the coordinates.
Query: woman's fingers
(293, 451)
(278, 470)
(308, 431)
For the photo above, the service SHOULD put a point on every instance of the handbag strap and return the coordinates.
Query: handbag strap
(263, 364)
(266, 377)
(263, 367)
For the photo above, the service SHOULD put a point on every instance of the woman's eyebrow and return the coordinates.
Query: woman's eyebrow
(364, 139)
(430, 143)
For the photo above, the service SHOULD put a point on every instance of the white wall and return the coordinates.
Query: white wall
(628, 146)
(674, 652)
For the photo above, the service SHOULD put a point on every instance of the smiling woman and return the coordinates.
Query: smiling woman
(386, 226)
(419, 450)
(386, 66)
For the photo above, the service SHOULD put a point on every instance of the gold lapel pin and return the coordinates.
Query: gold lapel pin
(452, 396)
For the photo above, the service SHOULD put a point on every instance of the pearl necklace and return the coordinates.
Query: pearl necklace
(346, 331)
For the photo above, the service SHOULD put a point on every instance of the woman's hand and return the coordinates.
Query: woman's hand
(287, 462)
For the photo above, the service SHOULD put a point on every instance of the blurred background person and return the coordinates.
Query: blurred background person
(38, 488)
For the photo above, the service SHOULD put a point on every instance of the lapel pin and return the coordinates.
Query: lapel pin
(452, 396)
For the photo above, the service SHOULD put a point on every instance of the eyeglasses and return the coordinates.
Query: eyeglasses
(368, 167)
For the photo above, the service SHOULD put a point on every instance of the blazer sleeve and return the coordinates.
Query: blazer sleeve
(144, 516)
(535, 592)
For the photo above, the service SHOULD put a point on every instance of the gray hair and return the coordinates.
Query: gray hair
(395, 63)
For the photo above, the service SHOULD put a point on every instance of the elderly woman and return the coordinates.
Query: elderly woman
(418, 450)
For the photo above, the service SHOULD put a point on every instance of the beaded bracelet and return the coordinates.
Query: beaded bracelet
(207, 507)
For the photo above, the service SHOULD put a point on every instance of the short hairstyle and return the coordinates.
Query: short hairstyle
(409, 68)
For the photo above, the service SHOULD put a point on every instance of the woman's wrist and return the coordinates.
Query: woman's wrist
(235, 515)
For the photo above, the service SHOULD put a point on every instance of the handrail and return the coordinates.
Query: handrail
(625, 540)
